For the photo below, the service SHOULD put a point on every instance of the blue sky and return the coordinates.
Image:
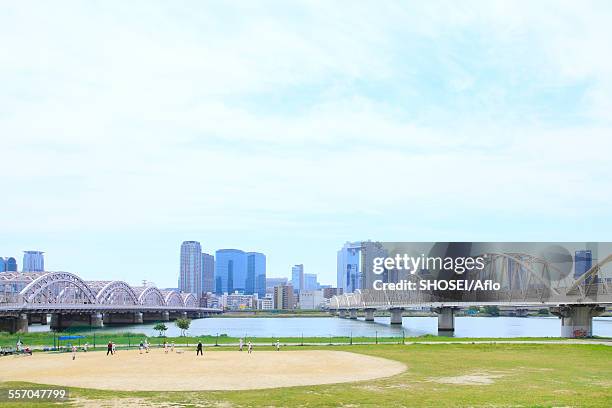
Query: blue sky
(292, 127)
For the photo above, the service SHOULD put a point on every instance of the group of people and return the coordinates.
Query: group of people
(20, 348)
(111, 347)
(250, 345)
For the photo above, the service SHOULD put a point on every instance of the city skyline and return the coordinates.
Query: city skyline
(310, 125)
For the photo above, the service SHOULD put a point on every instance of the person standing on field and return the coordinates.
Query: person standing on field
(240, 344)
(109, 348)
(199, 351)
(250, 347)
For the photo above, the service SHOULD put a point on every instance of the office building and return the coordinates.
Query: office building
(272, 282)
(297, 277)
(11, 264)
(230, 271)
(208, 273)
(311, 299)
(239, 301)
(310, 281)
(265, 303)
(349, 267)
(33, 261)
(190, 277)
(283, 297)
(583, 261)
(256, 273)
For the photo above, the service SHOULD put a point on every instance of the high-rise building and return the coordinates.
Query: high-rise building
(297, 277)
(2, 264)
(190, 278)
(271, 283)
(310, 281)
(583, 261)
(11, 264)
(256, 273)
(33, 261)
(230, 271)
(283, 297)
(349, 267)
(208, 273)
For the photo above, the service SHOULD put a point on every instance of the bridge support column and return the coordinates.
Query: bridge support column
(342, 313)
(122, 318)
(37, 318)
(165, 317)
(353, 314)
(14, 324)
(577, 320)
(96, 320)
(62, 321)
(446, 318)
(138, 317)
(396, 315)
(369, 315)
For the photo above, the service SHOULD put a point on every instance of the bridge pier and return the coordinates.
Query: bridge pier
(577, 320)
(178, 315)
(396, 315)
(14, 324)
(369, 315)
(446, 318)
(353, 314)
(123, 318)
(62, 321)
(155, 316)
(37, 318)
(342, 313)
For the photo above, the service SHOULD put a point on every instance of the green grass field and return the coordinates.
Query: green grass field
(523, 375)
(100, 338)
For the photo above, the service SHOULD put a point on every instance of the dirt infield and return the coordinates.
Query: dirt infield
(217, 370)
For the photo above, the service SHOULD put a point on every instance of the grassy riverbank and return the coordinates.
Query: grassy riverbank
(442, 375)
(126, 339)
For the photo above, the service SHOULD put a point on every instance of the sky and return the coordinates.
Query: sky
(290, 128)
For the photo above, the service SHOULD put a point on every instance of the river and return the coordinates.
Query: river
(334, 326)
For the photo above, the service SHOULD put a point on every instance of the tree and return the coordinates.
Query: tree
(491, 310)
(183, 324)
(161, 328)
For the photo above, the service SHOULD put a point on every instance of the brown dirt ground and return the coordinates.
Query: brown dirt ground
(219, 370)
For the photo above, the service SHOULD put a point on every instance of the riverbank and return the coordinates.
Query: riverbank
(99, 340)
(441, 375)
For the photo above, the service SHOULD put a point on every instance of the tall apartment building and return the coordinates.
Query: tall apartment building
(190, 277)
(283, 297)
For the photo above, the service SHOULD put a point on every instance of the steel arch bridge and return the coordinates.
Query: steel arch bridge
(49, 291)
(525, 280)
